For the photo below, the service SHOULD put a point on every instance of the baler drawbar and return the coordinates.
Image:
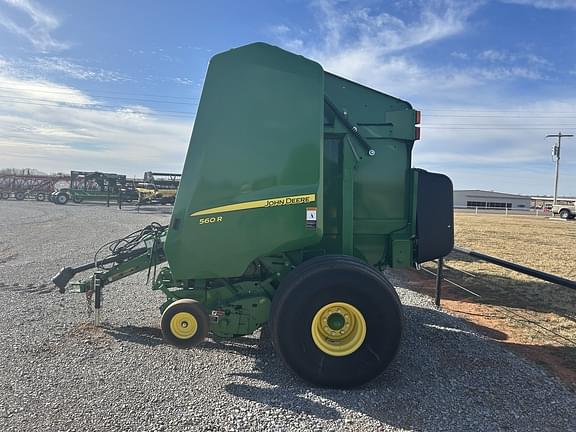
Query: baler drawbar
(297, 190)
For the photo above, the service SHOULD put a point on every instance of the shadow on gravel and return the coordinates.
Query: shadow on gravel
(152, 336)
(149, 336)
(160, 209)
(276, 398)
(445, 377)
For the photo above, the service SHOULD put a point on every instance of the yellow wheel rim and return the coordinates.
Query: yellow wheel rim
(338, 329)
(183, 325)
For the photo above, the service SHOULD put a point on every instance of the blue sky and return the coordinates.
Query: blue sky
(113, 86)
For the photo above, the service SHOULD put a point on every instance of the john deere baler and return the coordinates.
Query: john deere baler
(297, 190)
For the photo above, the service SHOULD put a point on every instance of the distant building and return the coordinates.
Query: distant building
(488, 199)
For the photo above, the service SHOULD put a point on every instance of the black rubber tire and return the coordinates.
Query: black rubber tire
(5, 195)
(40, 196)
(77, 200)
(564, 214)
(324, 280)
(197, 310)
(19, 196)
(61, 198)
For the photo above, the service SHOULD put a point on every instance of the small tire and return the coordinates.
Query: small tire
(61, 198)
(19, 196)
(77, 200)
(333, 289)
(5, 195)
(40, 196)
(185, 323)
(564, 214)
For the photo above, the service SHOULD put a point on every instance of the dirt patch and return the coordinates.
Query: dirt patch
(88, 333)
(533, 317)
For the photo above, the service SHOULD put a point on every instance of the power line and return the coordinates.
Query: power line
(460, 110)
(439, 127)
(511, 124)
(499, 116)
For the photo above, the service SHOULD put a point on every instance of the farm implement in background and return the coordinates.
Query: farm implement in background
(94, 186)
(158, 188)
(29, 186)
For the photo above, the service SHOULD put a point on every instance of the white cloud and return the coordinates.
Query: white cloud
(39, 27)
(57, 128)
(460, 55)
(184, 81)
(374, 47)
(503, 56)
(74, 70)
(545, 4)
(345, 26)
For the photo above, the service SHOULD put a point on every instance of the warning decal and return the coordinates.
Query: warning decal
(311, 217)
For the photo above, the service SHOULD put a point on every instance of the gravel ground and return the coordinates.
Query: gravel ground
(58, 373)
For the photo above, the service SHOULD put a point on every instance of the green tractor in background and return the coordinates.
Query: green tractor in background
(93, 186)
(296, 191)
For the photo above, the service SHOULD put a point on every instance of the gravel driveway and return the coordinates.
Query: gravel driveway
(58, 373)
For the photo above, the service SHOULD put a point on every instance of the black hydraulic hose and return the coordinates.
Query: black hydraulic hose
(548, 277)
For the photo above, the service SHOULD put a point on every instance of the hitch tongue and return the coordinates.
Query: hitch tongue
(62, 278)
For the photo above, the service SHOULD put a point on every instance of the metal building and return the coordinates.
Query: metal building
(474, 198)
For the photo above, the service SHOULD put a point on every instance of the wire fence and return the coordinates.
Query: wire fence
(504, 211)
(456, 278)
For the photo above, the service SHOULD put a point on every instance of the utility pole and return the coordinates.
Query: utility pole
(556, 157)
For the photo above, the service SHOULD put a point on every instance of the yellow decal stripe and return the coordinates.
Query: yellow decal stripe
(271, 202)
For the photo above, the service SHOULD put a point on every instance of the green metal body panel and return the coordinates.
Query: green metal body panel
(377, 201)
(257, 137)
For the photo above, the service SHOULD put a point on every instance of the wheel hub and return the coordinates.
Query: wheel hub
(338, 329)
(183, 325)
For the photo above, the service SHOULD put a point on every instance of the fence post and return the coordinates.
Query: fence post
(476, 210)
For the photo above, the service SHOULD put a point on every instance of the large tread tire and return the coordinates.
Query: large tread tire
(326, 280)
(61, 198)
(189, 312)
(564, 214)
